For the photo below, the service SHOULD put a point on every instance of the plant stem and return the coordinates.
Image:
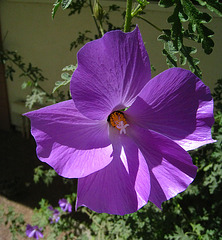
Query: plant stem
(97, 26)
(91, 217)
(136, 10)
(128, 17)
(101, 28)
(147, 21)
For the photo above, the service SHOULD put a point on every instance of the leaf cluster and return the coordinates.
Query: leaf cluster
(63, 3)
(175, 46)
(27, 70)
(66, 78)
(100, 17)
(46, 176)
(33, 76)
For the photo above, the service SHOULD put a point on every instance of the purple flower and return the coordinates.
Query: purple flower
(33, 232)
(65, 205)
(125, 158)
(55, 215)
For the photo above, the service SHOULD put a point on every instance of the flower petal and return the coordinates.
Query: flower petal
(29, 230)
(171, 168)
(178, 105)
(110, 74)
(120, 188)
(72, 144)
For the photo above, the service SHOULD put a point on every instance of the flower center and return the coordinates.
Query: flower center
(118, 121)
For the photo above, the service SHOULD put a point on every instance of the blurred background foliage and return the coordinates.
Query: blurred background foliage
(195, 213)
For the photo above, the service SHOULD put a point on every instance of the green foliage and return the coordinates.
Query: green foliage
(193, 214)
(33, 78)
(217, 95)
(41, 216)
(36, 96)
(63, 3)
(27, 70)
(169, 50)
(212, 5)
(66, 76)
(100, 17)
(139, 8)
(196, 24)
(47, 176)
(173, 39)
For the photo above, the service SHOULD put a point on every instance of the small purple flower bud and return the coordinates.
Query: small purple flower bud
(34, 231)
(56, 215)
(65, 205)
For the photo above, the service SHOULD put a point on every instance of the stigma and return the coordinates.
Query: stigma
(118, 121)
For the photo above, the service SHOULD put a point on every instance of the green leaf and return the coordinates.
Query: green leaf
(36, 96)
(55, 7)
(194, 14)
(59, 84)
(66, 3)
(65, 76)
(169, 51)
(26, 84)
(143, 3)
(212, 5)
(196, 23)
(179, 234)
(192, 62)
(177, 28)
(197, 228)
(205, 37)
(70, 67)
(183, 59)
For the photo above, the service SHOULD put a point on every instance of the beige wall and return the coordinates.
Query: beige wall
(45, 42)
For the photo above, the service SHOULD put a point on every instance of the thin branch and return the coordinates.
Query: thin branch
(147, 21)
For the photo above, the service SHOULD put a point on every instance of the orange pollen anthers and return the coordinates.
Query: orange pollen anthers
(118, 120)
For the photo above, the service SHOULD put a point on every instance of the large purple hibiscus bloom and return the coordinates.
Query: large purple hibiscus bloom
(123, 134)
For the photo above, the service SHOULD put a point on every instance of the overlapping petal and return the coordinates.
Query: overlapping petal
(72, 144)
(177, 104)
(121, 187)
(170, 166)
(110, 74)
